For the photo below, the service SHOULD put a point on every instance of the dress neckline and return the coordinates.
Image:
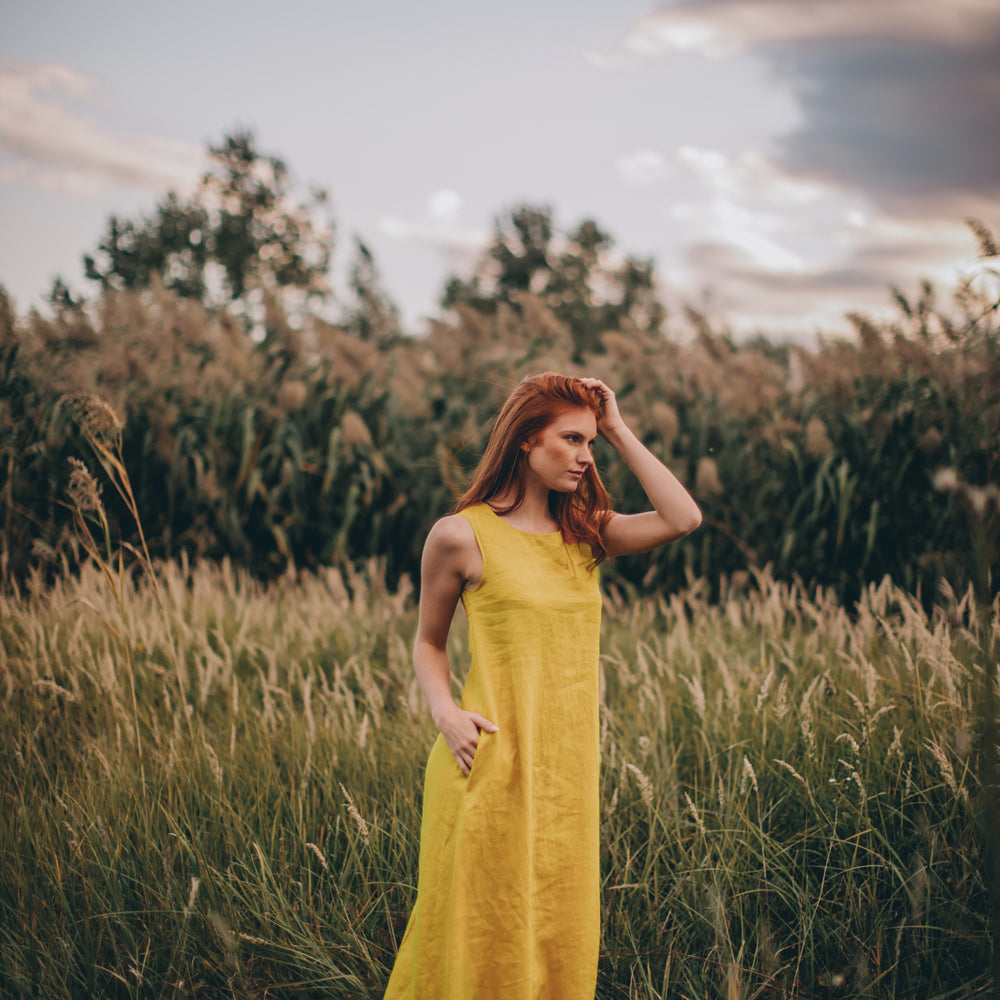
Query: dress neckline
(521, 531)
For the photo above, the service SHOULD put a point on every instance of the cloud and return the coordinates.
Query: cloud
(642, 167)
(751, 173)
(431, 235)
(48, 138)
(440, 228)
(894, 143)
(444, 204)
(904, 123)
(720, 29)
(868, 255)
(898, 98)
(749, 203)
(789, 256)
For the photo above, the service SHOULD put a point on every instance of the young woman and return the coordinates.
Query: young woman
(508, 889)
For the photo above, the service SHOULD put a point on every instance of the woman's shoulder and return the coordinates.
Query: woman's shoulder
(451, 547)
(453, 531)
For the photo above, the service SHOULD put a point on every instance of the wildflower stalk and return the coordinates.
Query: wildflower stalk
(85, 497)
(102, 429)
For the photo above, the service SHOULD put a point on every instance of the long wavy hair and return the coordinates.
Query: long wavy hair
(531, 407)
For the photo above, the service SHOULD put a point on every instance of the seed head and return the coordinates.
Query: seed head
(645, 785)
(97, 420)
(84, 490)
(319, 854)
(693, 809)
(988, 245)
(352, 810)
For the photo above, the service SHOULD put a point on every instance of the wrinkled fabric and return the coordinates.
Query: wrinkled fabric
(508, 886)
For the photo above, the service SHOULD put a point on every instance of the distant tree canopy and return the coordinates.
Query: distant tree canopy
(242, 236)
(324, 442)
(577, 277)
(239, 232)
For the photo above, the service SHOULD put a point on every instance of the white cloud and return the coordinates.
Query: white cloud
(866, 253)
(642, 167)
(58, 147)
(444, 237)
(755, 234)
(430, 235)
(752, 173)
(440, 227)
(789, 256)
(444, 204)
(748, 201)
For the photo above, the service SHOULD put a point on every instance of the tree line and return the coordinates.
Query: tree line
(258, 429)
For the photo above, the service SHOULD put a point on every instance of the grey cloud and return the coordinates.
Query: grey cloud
(791, 303)
(730, 265)
(902, 122)
(900, 99)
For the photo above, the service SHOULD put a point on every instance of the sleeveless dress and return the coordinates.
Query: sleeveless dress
(508, 887)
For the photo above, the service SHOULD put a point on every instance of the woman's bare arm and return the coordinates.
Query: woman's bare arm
(675, 513)
(449, 561)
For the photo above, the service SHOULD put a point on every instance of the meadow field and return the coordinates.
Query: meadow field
(211, 788)
(211, 737)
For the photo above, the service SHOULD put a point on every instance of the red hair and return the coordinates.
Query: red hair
(530, 408)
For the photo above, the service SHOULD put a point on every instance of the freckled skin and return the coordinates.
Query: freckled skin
(559, 454)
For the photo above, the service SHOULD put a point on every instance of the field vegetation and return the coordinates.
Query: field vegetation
(212, 503)
(315, 446)
(212, 788)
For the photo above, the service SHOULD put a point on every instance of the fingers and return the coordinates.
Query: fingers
(483, 723)
(465, 759)
(602, 388)
(463, 738)
(465, 754)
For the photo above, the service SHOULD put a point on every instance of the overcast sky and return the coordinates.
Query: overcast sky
(782, 160)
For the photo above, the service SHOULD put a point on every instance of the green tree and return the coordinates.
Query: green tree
(241, 232)
(578, 276)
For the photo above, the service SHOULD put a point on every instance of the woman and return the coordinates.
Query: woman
(508, 889)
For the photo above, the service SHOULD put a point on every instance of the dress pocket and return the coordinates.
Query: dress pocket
(482, 762)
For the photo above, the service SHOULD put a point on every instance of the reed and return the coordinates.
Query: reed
(314, 447)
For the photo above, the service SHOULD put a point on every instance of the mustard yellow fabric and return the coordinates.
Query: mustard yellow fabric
(508, 888)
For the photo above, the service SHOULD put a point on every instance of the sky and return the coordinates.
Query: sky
(782, 161)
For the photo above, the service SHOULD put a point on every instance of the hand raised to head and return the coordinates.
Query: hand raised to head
(609, 419)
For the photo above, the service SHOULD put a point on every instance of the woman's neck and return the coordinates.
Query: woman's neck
(531, 514)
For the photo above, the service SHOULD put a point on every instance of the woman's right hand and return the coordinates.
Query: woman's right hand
(461, 730)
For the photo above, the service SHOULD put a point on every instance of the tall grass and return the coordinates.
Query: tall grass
(790, 793)
(212, 783)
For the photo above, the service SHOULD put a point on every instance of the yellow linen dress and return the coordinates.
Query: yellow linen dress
(508, 887)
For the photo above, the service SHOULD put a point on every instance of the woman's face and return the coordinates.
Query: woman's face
(559, 454)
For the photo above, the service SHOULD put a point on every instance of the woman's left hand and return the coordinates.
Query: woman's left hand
(609, 420)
